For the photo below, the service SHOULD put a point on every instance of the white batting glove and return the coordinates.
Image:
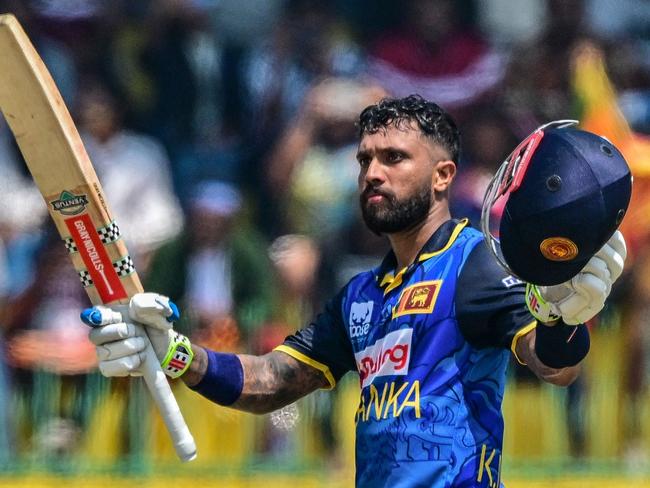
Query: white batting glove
(120, 342)
(581, 298)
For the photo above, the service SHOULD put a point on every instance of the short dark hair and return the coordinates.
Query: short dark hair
(433, 121)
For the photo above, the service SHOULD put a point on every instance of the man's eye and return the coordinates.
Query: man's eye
(394, 156)
(364, 162)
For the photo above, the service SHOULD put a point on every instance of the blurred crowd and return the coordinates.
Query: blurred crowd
(223, 132)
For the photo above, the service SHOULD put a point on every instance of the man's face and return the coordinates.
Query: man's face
(98, 115)
(398, 172)
(209, 228)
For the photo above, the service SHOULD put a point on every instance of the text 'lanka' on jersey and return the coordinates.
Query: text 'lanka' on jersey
(430, 344)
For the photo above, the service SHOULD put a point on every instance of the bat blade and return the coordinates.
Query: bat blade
(57, 160)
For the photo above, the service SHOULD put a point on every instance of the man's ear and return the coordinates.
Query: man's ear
(443, 175)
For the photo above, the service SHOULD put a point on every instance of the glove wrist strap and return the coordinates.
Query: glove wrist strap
(538, 307)
(179, 356)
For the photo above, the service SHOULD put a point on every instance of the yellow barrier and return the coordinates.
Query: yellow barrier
(275, 481)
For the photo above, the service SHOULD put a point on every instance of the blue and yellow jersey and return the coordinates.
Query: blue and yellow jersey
(431, 344)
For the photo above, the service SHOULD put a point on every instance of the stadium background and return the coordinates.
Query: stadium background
(223, 132)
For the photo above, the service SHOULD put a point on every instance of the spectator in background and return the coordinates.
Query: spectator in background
(309, 43)
(617, 19)
(433, 53)
(505, 25)
(134, 171)
(170, 25)
(296, 262)
(239, 26)
(534, 93)
(217, 270)
(487, 141)
(311, 170)
(22, 213)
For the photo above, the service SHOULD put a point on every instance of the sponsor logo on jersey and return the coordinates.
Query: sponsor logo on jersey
(389, 356)
(510, 281)
(360, 318)
(69, 203)
(418, 298)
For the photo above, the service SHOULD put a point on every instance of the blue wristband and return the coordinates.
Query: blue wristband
(223, 380)
(561, 345)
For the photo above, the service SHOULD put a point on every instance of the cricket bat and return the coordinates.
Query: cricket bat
(49, 141)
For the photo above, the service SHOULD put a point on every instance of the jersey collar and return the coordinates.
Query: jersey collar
(439, 242)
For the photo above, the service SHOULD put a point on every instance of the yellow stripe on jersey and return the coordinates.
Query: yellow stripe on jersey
(459, 227)
(395, 281)
(311, 362)
(520, 333)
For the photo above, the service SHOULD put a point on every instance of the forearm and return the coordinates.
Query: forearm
(269, 382)
(275, 380)
(198, 367)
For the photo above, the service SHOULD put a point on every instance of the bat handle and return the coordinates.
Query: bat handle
(164, 398)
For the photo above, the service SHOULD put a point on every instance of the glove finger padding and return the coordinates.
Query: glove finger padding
(153, 310)
(578, 309)
(121, 349)
(590, 292)
(126, 366)
(594, 276)
(591, 287)
(614, 253)
(617, 241)
(114, 332)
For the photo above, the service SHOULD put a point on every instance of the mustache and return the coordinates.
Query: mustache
(369, 191)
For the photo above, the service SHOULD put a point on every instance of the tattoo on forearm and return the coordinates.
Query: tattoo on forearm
(275, 380)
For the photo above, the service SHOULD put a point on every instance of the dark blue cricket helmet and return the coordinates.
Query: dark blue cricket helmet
(566, 191)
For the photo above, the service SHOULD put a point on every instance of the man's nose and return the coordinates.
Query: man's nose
(374, 173)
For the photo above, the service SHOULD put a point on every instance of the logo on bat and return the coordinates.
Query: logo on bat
(69, 203)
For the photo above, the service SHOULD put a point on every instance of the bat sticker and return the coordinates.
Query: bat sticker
(123, 267)
(108, 234)
(69, 203)
(102, 272)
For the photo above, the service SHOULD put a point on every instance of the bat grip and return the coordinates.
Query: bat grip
(164, 398)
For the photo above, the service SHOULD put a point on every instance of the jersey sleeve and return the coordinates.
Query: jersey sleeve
(324, 343)
(490, 304)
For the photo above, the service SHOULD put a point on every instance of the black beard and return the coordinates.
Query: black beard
(394, 215)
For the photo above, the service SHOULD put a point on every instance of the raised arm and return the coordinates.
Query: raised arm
(554, 349)
(257, 384)
(269, 382)
(542, 326)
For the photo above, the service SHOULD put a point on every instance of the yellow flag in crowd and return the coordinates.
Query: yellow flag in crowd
(601, 115)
